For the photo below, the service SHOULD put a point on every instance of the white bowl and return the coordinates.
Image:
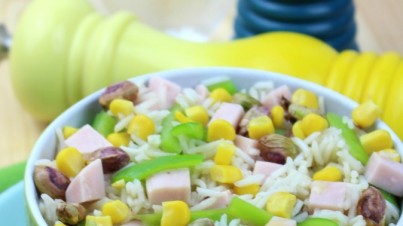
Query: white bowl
(84, 111)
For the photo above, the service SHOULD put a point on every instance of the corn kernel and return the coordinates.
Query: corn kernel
(259, 127)
(70, 161)
(281, 204)
(252, 189)
(117, 210)
(329, 173)
(198, 114)
(68, 131)
(220, 95)
(376, 141)
(224, 153)
(297, 130)
(121, 106)
(277, 114)
(365, 114)
(305, 98)
(225, 174)
(58, 223)
(142, 126)
(175, 213)
(119, 139)
(119, 184)
(180, 117)
(98, 221)
(220, 129)
(391, 154)
(313, 123)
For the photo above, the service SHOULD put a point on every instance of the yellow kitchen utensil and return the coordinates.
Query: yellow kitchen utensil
(63, 50)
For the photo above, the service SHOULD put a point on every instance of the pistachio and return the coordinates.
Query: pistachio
(202, 222)
(372, 206)
(276, 148)
(50, 181)
(70, 213)
(254, 112)
(113, 158)
(299, 112)
(245, 100)
(124, 90)
(285, 103)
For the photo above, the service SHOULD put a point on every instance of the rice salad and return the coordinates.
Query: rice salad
(161, 154)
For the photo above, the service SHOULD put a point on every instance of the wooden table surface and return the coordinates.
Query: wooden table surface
(380, 26)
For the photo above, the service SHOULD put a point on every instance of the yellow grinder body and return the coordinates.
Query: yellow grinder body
(63, 50)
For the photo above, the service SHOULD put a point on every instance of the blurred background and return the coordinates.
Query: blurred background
(379, 29)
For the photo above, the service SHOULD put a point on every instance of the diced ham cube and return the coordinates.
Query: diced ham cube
(222, 200)
(87, 140)
(265, 168)
(88, 185)
(245, 143)
(274, 97)
(165, 90)
(168, 186)
(385, 173)
(279, 221)
(232, 113)
(327, 195)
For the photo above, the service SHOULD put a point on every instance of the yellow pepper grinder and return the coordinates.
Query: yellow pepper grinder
(64, 50)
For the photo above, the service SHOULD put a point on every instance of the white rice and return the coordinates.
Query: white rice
(250, 180)
(60, 139)
(134, 195)
(48, 207)
(336, 216)
(46, 162)
(260, 90)
(204, 204)
(224, 221)
(122, 124)
(392, 213)
(211, 106)
(188, 98)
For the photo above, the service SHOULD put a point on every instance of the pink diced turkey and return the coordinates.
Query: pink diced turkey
(87, 140)
(265, 168)
(168, 186)
(327, 195)
(165, 90)
(245, 143)
(232, 113)
(385, 174)
(279, 221)
(274, 97)
(88, 185)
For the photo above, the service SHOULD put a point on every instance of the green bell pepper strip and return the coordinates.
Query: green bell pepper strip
(147, 168)
(390, 198)
(169, 143)
(220, 82)
(154, 219)
(247, 212)
(104, 123)
(316, 221)
(353, 142)
(281, 132)
(151, 219)
(194, 130)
